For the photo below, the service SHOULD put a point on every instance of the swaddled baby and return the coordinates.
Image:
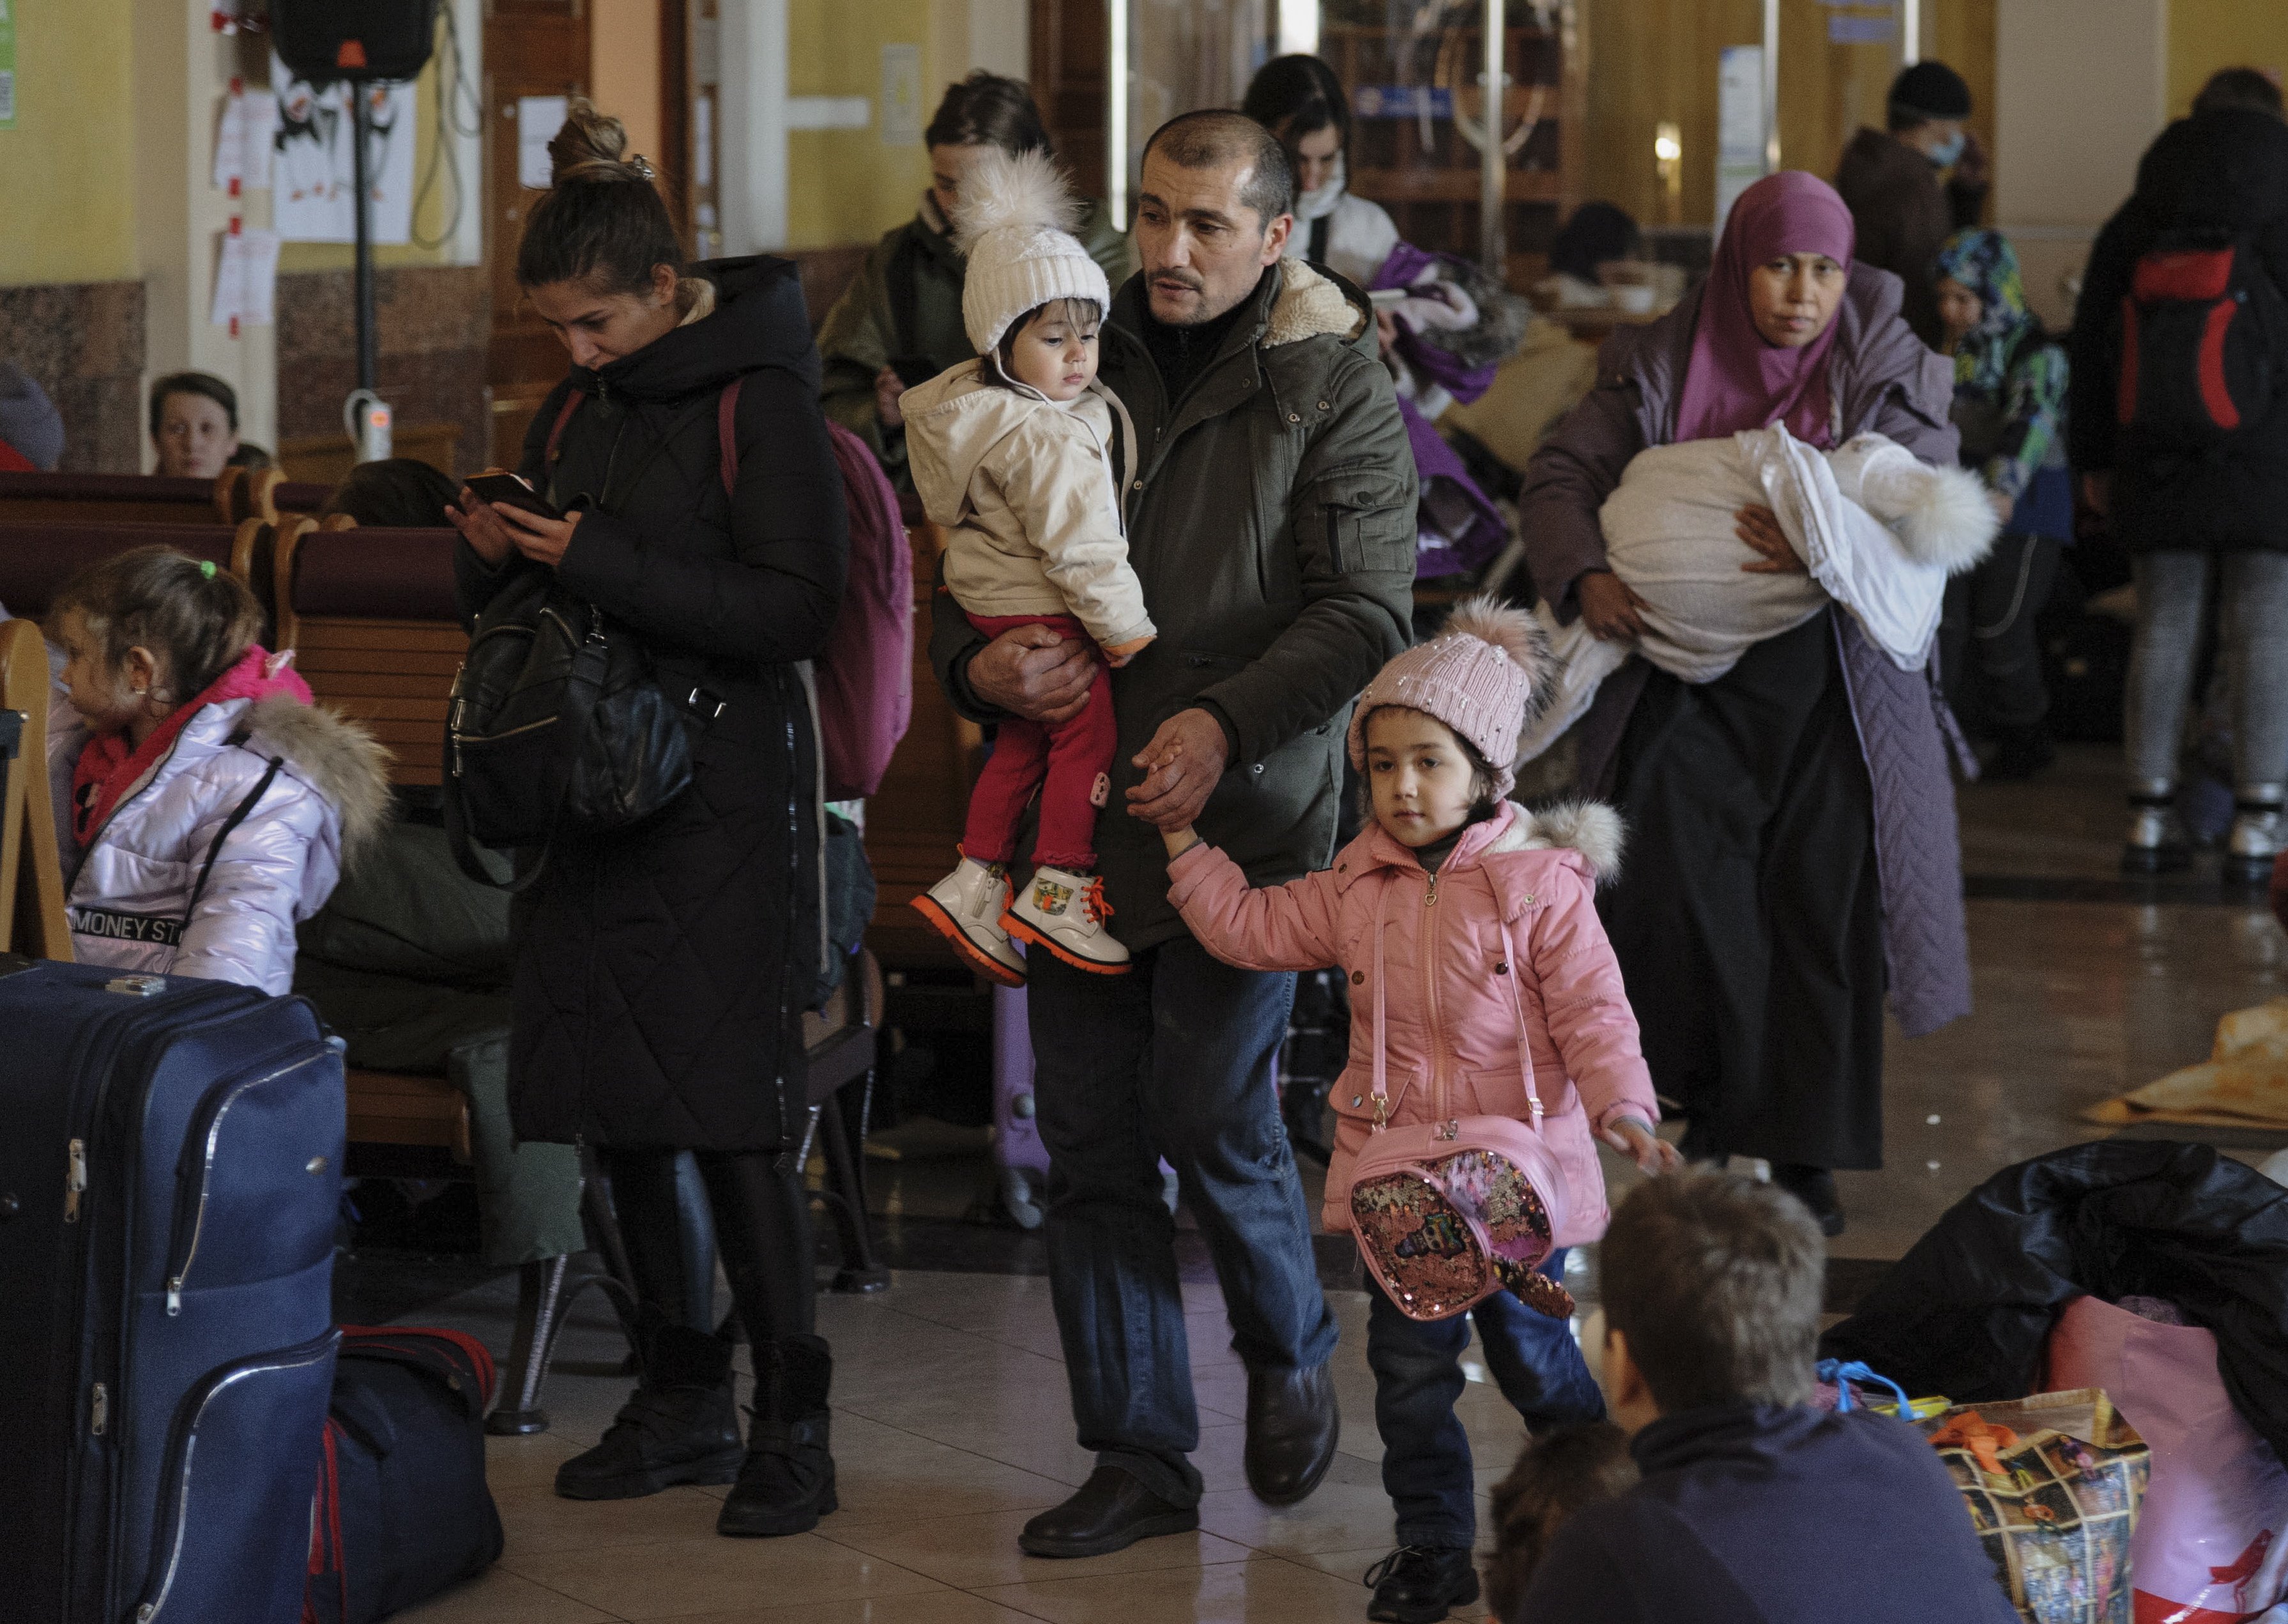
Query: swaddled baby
(1878, 532)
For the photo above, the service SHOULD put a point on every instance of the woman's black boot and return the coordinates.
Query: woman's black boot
(679, 1426)
(787, 1482)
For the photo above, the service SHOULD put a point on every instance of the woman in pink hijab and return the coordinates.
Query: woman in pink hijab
(1792, 844)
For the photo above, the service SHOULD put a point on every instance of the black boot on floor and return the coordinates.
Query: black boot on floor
(679, 1425)
(1814, 1187)
(1421, 1584)
(787, 1482)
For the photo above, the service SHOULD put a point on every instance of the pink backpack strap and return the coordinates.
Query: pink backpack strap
(572, 403)
(726, 424)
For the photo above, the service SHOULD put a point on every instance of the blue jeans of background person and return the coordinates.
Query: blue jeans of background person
(1175, 1058)
(1418, 1377)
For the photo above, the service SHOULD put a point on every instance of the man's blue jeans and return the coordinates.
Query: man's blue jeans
(1174, 1059)
(1417, 1376)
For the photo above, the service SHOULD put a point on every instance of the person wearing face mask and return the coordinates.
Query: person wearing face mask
(1890, 180)
(1793, 845)
(900, 323)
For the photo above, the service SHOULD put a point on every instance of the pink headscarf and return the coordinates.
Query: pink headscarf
(1736, 379)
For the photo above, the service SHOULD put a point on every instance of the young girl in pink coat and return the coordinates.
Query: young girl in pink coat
(1448, 892)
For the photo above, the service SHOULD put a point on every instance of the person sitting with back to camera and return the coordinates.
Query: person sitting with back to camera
(1012, 453)
(1754, 1507)
(212, 805)
(1482, 986)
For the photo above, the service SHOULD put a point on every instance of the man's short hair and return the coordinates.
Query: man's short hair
(1215, 138)
(1716, 1282)
(2249, 89)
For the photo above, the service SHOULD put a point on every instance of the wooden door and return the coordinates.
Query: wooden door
(1070, 39)
(532, 48)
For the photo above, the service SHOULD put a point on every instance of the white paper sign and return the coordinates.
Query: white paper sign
(246, 279)
(1739, 125)
(243, 138)
(538, 118)
(702, 141)
(314, 189)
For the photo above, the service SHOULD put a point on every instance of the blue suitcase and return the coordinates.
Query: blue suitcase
(169, 1170)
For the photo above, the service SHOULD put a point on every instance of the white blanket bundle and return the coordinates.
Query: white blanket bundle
(1878, 532)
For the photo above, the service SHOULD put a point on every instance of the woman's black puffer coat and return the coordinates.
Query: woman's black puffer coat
(662, 969)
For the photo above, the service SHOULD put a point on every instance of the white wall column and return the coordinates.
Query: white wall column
(753, 141)
(182, 70)
(2080, 91)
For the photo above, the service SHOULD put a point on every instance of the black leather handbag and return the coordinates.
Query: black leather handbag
(558, 722)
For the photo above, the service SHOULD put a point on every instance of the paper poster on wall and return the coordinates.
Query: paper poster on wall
(7, 64)
(1739, 125)
(538, 118)
(246, 279)
(246, 139)
(901, 96)
(313, 164)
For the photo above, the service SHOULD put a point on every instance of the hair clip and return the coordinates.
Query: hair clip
(642, 166)
(206, 569)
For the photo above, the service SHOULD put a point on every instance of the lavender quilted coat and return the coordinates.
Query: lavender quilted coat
(1883, 381)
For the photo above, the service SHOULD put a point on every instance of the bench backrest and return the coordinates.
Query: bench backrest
(110, 498)
(370, 616)
(35, 559)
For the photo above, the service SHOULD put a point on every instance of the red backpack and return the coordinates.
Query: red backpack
(2202, 334)
(866, 676)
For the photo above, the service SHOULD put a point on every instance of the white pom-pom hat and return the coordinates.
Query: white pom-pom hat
(1482, 676)
(1014, 223)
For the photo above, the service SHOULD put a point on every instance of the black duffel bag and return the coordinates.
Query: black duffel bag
(403, 1511)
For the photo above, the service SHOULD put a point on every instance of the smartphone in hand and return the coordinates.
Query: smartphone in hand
(496, 485)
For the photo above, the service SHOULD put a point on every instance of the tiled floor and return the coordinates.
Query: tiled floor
(951, 1421)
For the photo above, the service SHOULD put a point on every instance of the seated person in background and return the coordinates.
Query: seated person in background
(1558, 1473)
(1598, 235)
(1754, 1507)
(396, 493)
(31, 430)
(194, 428)
(212, 804)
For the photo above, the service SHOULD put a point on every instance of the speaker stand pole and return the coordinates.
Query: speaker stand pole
(369, 419)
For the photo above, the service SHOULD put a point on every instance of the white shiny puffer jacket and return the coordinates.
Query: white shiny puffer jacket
(130, 889)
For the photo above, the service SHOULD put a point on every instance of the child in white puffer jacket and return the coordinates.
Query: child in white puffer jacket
(211, 803)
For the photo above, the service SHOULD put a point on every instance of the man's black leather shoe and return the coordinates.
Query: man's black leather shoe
(1421, 1584)
(1292, 1428)
(1111, 1511)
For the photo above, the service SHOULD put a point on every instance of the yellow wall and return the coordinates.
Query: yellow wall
(2207, 35)
(69, 213)
(845, 186)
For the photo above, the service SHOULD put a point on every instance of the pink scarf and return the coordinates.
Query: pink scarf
(109, 766)
(1736, 379)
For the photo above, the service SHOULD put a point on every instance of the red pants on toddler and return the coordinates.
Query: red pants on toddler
(1065, 760)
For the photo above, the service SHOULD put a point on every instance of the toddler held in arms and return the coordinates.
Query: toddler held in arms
(211, 803)
(1482, 986)
(1012, 453)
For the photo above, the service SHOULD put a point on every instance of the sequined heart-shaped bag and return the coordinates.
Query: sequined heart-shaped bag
(1447, 1214)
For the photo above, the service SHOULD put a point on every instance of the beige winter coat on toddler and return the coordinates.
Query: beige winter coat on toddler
(1024, 487)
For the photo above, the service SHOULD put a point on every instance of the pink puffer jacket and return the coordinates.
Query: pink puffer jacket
(1514, 898)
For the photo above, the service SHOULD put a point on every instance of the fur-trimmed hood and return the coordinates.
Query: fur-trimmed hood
(336, 757)
(1591, 833)
(1312, 304)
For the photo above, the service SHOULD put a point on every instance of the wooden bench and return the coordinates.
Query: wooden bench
(32, 920)
(108, 498)
(325, 459)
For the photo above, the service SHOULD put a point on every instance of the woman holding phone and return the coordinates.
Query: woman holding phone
(662, 969)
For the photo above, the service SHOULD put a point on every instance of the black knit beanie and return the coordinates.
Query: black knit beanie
(1933, 90)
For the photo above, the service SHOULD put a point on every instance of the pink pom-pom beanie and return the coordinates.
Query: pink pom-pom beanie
(1482, 676)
